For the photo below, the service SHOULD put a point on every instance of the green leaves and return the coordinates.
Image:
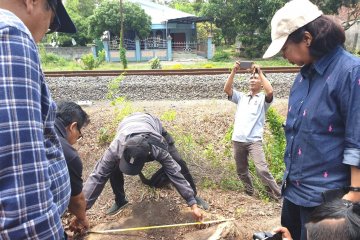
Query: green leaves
(107, 17)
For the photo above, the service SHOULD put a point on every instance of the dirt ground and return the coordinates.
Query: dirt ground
(149, 207)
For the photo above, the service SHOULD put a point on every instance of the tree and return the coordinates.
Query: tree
(106, 17)
(79, 11)
(223, 15)
(182, 5)
(352, 8)
(253, 24)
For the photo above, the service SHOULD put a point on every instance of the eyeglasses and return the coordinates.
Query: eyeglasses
(55, 24)
(80, 134)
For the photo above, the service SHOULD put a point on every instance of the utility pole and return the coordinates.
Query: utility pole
(121, 25)
(122, 49)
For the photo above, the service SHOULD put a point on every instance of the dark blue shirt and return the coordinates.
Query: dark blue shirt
(322, 128)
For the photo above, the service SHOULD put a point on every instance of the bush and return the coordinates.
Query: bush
(89, 62)
(275, 144)
(51, 58)
(155, 63)
(123, 57)
(221, 56)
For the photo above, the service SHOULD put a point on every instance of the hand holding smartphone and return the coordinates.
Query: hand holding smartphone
(246, 65)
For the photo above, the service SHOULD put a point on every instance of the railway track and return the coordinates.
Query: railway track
(204, 71)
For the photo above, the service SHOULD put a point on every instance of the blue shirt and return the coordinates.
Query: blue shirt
(322, 128)
(34, 181)
(249, 117)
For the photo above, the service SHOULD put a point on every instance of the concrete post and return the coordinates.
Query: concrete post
(169, 48)
(94, 51)
(210, 53)
(137, 49)
(107, 50)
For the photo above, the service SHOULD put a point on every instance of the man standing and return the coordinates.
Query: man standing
(34, 181)
(70, 118)
(140, 138)
(249, 127)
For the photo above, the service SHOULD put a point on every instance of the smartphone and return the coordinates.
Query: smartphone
(276, 236)
(246, 64)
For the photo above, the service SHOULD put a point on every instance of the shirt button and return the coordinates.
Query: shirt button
(292, 137)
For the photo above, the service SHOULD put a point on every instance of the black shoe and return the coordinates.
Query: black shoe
(249, 192)
(201, 203)
(116, 208)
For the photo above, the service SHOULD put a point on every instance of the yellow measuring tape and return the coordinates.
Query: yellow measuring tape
(159, 226)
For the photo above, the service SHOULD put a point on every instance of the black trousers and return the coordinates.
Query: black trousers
(294, 217)
(117, 177)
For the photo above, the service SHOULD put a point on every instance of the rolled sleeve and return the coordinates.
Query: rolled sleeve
(352, 157)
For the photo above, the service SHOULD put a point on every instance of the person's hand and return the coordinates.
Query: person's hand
(197, 213)
(79, 226)
(284, 233)
(352, 196)
(236, 66)
(256, 68)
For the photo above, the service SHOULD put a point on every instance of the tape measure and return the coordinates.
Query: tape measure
(158, 226)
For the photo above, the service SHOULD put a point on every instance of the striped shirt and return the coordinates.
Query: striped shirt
(34, 181)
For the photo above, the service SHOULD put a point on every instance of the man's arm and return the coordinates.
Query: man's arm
(350, 102)
(228, 87)
(355, 182)
(77, 207)
(172, 170)
(98, 178)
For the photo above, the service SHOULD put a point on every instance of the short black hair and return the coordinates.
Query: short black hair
(339, 219)
(69, 112)
(326, 32)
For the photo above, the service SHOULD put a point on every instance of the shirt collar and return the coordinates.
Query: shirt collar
(60, 127)
(249, 94)
(8, 18)
(320, 65)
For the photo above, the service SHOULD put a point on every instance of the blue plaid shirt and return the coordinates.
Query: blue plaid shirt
(322, 128)
(34, 181)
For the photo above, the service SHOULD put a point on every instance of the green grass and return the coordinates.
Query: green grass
(57, 63)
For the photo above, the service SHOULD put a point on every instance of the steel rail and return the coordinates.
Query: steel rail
(201, 71)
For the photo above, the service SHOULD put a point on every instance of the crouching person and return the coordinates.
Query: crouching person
(139, 139)
(70, 118)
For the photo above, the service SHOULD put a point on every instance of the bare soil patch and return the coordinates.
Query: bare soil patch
(149, 207)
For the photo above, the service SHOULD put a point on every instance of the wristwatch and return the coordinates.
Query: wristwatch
(353, 189)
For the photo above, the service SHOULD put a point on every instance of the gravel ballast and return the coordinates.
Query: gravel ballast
(159, 87)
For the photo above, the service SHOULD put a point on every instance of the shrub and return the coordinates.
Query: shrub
(155, 63)
(221, 56)
(89, 62)
(275, 143)
(51, 58)
(122, 109)
(123, 57)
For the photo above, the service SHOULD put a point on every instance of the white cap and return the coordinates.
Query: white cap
(294, 15)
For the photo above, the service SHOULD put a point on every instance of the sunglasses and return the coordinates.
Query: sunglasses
(55, 24)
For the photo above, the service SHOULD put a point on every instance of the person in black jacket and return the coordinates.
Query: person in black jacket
(70, 118)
